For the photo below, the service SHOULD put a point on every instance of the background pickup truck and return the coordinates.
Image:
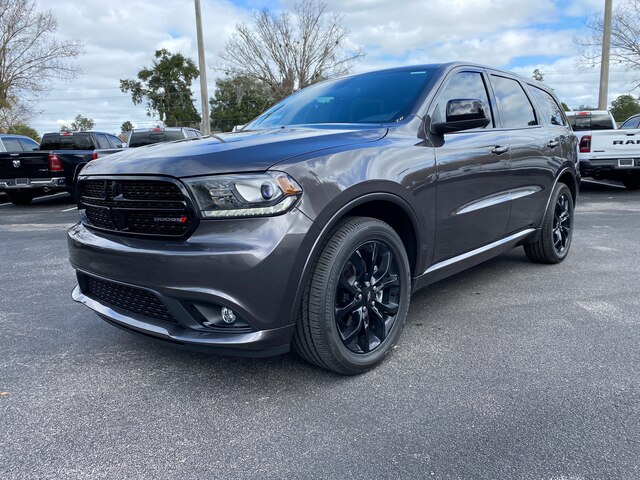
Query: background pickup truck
(54, 166)
(604, 150)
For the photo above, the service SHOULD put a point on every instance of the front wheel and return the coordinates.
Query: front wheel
(552, 245)
(357, 298)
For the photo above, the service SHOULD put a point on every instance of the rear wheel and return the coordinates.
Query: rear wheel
(20, 198)
(552, 245)
(632, 183)
(356, 299)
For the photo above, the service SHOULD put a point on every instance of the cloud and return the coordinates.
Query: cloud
(121, 36)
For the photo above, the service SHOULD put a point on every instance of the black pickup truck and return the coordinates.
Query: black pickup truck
(54, 166)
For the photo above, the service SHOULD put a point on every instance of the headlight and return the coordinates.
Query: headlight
(244, 195)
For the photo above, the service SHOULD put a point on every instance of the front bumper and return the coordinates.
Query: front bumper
(33, 183)
(252, 266)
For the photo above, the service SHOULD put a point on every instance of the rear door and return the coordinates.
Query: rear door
(536, 152)
(472, 207)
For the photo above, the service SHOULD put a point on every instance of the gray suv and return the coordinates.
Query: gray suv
(312, 225)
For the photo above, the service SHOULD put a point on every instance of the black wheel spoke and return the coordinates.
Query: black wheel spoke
(342, 311)
(360, 265)
(390, 281)
(345, 284)
(353, 329)
(388, 308)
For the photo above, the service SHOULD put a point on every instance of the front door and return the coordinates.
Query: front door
(473, 169)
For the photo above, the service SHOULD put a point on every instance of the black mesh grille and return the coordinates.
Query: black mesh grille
(144, 207)
(127, 298)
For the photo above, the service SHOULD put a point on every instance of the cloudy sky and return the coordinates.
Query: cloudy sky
(120, 36)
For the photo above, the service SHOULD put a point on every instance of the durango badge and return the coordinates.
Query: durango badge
(16, 163)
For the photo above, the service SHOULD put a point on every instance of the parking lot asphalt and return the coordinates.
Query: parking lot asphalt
(508, 370)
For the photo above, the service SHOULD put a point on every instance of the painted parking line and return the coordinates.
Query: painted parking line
(69, 209)
(598, 182)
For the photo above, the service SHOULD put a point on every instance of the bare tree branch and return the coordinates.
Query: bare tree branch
(290, 50)
(625, 38)
(30, 56)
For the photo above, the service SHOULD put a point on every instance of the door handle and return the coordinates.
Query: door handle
(498, 150)
(553, 143)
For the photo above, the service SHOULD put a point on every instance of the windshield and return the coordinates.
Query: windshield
(381, 97)
(139, 139)
(591, 122)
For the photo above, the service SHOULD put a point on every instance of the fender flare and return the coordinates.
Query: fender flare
(334, 218)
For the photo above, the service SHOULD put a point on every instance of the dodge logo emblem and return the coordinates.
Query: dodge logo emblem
(16, 163)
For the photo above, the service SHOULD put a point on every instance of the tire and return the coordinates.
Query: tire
(552, 245)
(20, 198)
(352, 315)
(632, 183)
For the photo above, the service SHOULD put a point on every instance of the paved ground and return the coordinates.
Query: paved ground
(510, 370)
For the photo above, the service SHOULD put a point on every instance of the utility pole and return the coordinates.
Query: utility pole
(604, 60)
(204, 94)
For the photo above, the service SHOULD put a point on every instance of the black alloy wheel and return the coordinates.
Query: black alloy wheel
(367, 296)
(554, 239)
(356, 299)
(562, 224)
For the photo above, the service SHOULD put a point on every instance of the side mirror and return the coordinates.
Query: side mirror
(463, 114)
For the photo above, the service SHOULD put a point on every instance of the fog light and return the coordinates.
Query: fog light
(227, 315)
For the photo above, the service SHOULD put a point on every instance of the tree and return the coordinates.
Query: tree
(31, 54)
(585, 108)
(22, 129)
(624, 106)
(166, 87)
(538, 75)
(80, 124)
(237, 100)
(290, 51)
(126, 126)
(565, 107)
(625, 37)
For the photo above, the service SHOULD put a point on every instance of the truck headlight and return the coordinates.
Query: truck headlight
(244, 195)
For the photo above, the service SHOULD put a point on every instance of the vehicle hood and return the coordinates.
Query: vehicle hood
(231, 152)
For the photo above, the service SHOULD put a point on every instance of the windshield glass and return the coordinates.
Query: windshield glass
(381, 97)
(139, 139)
(591, 122)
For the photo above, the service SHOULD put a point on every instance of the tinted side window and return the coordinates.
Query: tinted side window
(548, 106)
(102, 141)
(28, 144)
(462, 85)
(114, 141)
(12, 145)
(513, 104)
(631, 123)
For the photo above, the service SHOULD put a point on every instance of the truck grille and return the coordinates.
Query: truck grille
(142, 207)
(127, 298)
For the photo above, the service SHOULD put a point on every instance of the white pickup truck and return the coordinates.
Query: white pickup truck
(604, 150)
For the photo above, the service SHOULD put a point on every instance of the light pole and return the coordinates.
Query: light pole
(204, 95)
(604, 60)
